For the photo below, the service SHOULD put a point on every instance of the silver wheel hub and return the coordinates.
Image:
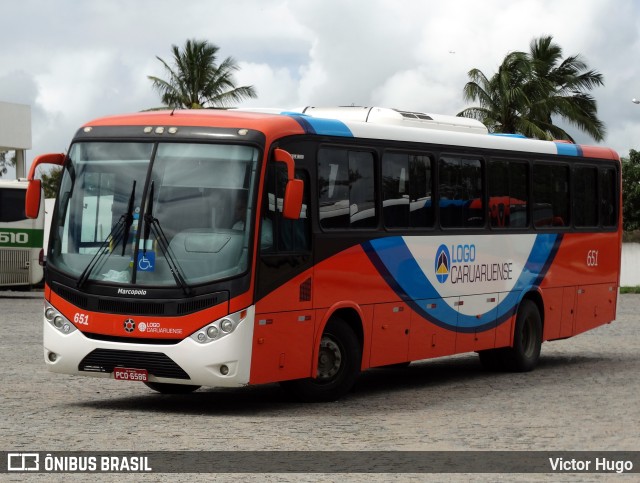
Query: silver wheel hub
(329, 359)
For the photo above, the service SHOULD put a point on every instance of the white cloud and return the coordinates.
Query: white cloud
(273, 86)
(81, 60)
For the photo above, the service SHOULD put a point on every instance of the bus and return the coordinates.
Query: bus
(226, 248)
(21, 238)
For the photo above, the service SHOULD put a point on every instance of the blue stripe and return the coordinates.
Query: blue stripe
(508, 135)
(565, 149)
(316, 125)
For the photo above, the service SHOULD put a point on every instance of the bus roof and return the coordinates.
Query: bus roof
(14, 183)
(356, 122)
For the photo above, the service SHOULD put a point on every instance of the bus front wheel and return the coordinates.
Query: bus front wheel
(339, 359)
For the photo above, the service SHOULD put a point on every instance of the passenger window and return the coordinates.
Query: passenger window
(461, 189)
(346, 184)
(406, 190)
(609, 197)
(550, 195)
(508, 184)
(585, 198)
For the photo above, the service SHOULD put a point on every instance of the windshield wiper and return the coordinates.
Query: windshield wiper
(152, 224)
(128, 218)
(122, 227)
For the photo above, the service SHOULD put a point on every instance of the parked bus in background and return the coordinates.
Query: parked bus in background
(226, 248)
(21, 252)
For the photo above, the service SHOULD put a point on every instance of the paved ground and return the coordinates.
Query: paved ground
(584, 396)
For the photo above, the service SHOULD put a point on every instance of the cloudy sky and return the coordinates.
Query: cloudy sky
(74, 60)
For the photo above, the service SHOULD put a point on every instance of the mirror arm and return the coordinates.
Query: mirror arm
(282, 156)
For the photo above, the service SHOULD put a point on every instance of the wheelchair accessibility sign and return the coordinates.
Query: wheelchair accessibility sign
(146, 261)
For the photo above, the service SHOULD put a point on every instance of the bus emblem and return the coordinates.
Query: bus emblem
(129, 325)
(442, 263)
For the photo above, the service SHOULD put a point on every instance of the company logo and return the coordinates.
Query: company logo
(23, 462)
(127, 291)
(142, 326)
(442, 263)
(129, 325)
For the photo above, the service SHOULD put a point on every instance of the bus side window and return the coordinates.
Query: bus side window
(609, 212)
(406, 190)
(461, 192)
(278, 234)
(550, 195)
(346, 186)
(585, 196)
(508, 186)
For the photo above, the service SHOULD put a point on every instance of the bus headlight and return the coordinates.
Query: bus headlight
(57, 320)
(226, 325)
(220, 328)
(213, 332)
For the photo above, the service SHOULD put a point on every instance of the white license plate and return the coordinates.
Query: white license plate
(127, 374)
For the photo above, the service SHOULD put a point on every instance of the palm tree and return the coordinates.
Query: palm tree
(501, 97)
(531, 89)
(196, 81)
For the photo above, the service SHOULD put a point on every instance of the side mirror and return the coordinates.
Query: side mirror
(34, 190)
(292, 204)
(33, 199)
(293, 199)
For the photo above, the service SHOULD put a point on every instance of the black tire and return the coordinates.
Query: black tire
(339, 360)
(527, 340)
(166, 388)
(491, 359)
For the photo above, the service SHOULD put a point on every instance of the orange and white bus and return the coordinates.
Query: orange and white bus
(226, 248)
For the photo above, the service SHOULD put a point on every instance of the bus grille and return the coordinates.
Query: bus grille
(14, 267)
(157, 363)
(130, 307)
(123, 306)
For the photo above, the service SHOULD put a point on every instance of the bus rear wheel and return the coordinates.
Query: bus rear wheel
(339, 359)
(167, 388)
(523, 356)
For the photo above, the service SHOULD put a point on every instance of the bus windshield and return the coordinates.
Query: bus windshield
(154, 214)
(12, 205)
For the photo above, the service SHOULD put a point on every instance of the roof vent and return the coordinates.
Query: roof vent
(383, 115)
(414, 115)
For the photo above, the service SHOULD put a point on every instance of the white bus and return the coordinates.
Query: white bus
(21, 239)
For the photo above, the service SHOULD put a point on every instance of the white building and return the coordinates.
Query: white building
(15, 132)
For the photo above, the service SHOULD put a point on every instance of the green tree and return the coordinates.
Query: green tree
(531, 89)
(631, 191)
(51, 182)
(196, 81)
(4, 162)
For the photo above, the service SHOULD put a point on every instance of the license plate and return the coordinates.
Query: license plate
(127, 374)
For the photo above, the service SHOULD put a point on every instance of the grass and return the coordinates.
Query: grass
(635, 289)
(631, 236)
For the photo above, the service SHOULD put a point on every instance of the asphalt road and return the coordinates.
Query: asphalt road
(583, 396)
